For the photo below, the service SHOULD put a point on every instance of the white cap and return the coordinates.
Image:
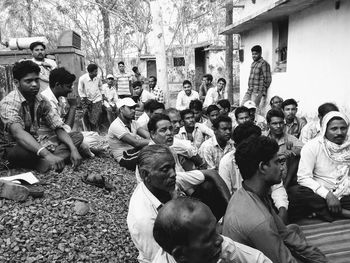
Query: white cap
(126, 102)
(110, 76)
(249, 104)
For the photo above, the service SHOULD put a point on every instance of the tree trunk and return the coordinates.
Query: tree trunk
(30, 18)
(106, 40)
(162, 71)
(229, 54)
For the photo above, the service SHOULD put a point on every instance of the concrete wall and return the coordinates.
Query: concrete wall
(318, 57)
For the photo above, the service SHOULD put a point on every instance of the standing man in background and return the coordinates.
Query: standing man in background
(90, 92)
(259, 78)
(45, 64)
(123, 81)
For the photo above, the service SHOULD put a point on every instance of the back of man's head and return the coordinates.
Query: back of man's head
(152, 123)
(60, 76)
(172, 227)
(250, 153)
(225, 104)
(244, 131)
(92, 67)
(24, 67)
(135, 69)
(155, 105)
(196, 105)
(212, 108)
(137, 84)
(274, 113)
(325, 108)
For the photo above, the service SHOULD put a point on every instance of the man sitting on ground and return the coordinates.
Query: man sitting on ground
(140, 96)
(213, 149)
(160, 183)
(185, 230)
(185, 96)
(312, 129)
(205, 86)
(229, 172)
(150, 108)
(215, 94)
(259, 226)
(294, 124)
(212, 113)
(224, 107)
(123, 135)
(254, 116)
(323, 175)
(197, 107)
(193, 131)
(289, 146)
(22, 112)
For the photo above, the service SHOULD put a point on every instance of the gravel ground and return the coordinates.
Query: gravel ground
(49, 230)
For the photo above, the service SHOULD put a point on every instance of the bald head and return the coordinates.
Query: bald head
(178, 220)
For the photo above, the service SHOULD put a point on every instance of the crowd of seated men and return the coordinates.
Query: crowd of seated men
(212, 184)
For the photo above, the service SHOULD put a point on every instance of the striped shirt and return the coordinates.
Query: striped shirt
(123, 84)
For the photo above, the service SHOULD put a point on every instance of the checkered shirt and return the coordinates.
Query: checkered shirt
(158, 93)
(260, 75)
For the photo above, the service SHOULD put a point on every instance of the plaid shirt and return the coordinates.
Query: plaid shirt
(295, 127)
(15, 109)
(260, 75)
(212, 153)
(158, 93)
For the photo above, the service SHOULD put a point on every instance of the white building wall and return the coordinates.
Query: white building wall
(318, 66)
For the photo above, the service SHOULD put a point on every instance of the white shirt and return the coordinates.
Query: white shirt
(319, 173)
(231, 252)
(213, 96)
(310, 130)
(143, 120)
(111, 96)
(143, 212)
(45, 71)
(183, 101)
(116, 132)
(146, 95)
(90, 89)
(199, 134)
(229, 172)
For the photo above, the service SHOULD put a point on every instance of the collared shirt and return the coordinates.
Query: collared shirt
(116, 132)
(90, 88)
(208, 123)
(309, 131)
(143, 120)
(260, 75)
(199, 133)
(110, 94)
(183, 100)
(231, 252)
(261, 228)
(283, 142)
(123, 83)
(158, 93)
(213, 96)
(143, 210)
(319, 173)
(59, 106)
(15, 109)
(295, 127)
(212, 153)
(230, 174)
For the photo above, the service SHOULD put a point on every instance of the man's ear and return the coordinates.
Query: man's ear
(144, 174)
(179, 254)
(16, 81)
(261, 167)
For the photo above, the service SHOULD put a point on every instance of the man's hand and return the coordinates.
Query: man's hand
(333, 203)
(75, 158)
(56, 162)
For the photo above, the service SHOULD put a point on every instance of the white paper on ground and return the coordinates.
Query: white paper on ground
(28, 177)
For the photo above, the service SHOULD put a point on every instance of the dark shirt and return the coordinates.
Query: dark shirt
(260, 75)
